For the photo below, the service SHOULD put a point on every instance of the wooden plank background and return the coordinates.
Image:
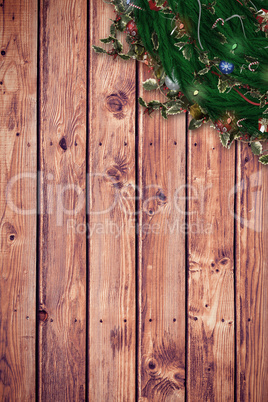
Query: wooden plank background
(137, 268)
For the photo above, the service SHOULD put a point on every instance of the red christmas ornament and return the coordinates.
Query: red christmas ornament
(154, 7)
(262, 18)
(222, 126)
(132, 28)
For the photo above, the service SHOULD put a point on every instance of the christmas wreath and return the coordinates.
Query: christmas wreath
(208, 57)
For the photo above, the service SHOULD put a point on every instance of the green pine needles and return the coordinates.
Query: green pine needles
(208, 57)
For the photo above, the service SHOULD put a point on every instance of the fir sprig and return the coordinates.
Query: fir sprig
(176, 102)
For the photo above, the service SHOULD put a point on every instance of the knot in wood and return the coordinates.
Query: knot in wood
(165, 370)
(223, 264)
(63, 144)
(117, 339)
(150, 206)
(116, 103)
(116, 175)
(152, 366)
(224, 261)
(179, 377)
(161, 198)
(10, 232)
(43, 315)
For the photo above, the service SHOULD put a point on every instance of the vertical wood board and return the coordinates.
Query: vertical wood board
(62, 330)
(18, 168)
(251, 277)
(211, 347)
(161, 257)
(111, 241)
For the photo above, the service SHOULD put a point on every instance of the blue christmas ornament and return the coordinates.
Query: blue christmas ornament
(226, 67)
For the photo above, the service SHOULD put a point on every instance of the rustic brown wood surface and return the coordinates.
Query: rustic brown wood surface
(211, 341)
(159, 291)
(161, 181)
(62, 264)
(251, 277)
(112, 334)
(18, 167)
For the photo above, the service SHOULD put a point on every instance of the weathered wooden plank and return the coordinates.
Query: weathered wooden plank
(111, 220)
(162, 178)
(210, 373)
(251, 277)
(63, 60)
(18, 166)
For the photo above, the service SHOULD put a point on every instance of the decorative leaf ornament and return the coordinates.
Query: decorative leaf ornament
(208, 57)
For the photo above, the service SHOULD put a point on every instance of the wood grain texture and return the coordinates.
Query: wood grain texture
(111, 219)
(219, 216)
(210, 373)
(251, 277)
(18, 167)
(63, 61)
(162, 178)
